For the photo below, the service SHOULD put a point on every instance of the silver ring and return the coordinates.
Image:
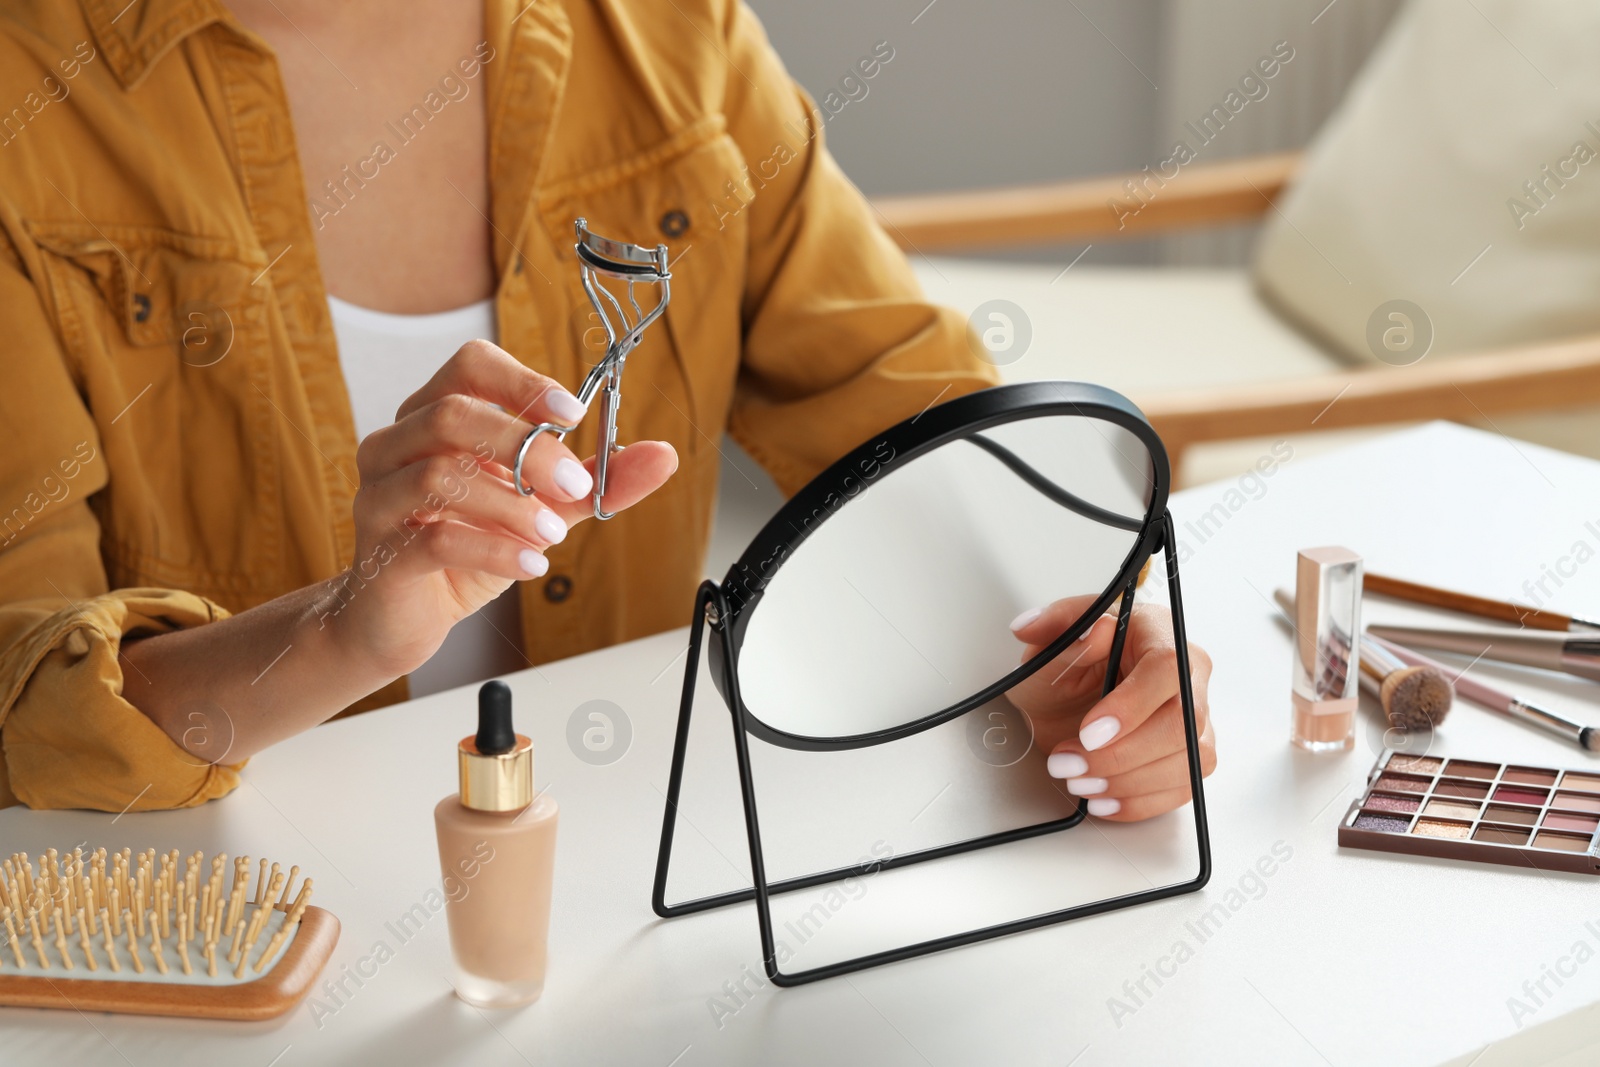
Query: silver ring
(522, 451)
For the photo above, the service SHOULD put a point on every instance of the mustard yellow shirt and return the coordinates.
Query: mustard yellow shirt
(179, 442)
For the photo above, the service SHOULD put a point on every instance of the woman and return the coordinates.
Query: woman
(239, 239)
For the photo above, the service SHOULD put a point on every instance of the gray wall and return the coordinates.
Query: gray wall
(996, 92)
(982, 93)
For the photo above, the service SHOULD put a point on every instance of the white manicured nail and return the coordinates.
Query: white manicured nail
(1066, 765)
(1099, 733)
(533, 563)
(564, 406)
(1104, 806)
(1083, 787)
(548, 525)
(1025, 618)
(572, 479)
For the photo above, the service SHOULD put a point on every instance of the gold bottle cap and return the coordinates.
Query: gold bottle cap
(502, 782)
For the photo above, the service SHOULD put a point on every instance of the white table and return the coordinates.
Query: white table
(1344, 957)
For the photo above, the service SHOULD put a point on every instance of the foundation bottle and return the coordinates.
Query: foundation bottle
(497, 846)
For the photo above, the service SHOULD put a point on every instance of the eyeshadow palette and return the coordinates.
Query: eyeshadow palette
(1516, 814)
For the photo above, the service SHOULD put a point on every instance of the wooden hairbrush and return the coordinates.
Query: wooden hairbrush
(132, 933)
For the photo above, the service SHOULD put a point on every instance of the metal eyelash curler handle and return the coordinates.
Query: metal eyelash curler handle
(624, 262)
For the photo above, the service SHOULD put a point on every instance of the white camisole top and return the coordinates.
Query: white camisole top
(386, 358)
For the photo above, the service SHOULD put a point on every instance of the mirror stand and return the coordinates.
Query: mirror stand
(711, 606)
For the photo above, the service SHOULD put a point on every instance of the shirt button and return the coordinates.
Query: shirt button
(141, 307)
(557, 588)
(674, 223)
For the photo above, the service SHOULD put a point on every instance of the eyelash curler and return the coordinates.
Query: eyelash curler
(624, 262)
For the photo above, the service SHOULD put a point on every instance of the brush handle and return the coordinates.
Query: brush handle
(1575, 654)
(1483, 607)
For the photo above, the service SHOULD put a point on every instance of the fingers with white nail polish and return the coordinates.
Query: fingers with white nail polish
(1099, 733)
(533, 563)
(1125, 753)
(563, 405)
(572, 479)
(1023, 621)
(1134, 809)
(550, 526)
(1150, 789)
(1066, 765)
(1040, 626)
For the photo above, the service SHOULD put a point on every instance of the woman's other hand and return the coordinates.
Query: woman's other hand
(1126, 752)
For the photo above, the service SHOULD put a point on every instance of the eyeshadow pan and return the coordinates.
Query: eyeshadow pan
(1388, 824)
(1453, 809)
(1528, 776)
(1385, 802)
(1460, 768)
(1583, 824)
(1518, 795)
(1520, 816)
(1441, 828)
(1586, 782)
(1576, 802)
(1454, 787)
(1404, 783)
(1415, 764)
(1562, 842)
(1501, 835)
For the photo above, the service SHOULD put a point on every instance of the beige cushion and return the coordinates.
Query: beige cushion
(1145, 332)
(1423, 168)
(1135, 331)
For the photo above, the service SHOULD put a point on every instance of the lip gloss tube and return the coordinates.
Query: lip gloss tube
(1326, 675)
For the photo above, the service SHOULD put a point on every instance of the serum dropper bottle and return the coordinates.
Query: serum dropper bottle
(497, 847)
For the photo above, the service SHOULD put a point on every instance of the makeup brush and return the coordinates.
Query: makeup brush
(1483, 607)
(1578, 656)
(1586, 737)
(1413, 697)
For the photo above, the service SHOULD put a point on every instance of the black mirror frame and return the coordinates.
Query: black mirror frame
(726, 608)
(746, 581)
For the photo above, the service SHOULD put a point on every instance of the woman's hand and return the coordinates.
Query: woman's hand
(1126, 752)
(440, 528)
(440, 531)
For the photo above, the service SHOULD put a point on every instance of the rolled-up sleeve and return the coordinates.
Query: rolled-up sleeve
(69, 737)
(839, 341)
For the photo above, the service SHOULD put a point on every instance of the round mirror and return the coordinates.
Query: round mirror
(878, 601)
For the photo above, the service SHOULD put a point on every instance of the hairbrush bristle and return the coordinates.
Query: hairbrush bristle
(83, 913)
(1417, 698)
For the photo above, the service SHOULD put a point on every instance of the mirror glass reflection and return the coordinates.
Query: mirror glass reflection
(899, 604)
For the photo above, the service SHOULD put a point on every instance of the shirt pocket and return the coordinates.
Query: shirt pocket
(168, 341)
(679, 381)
